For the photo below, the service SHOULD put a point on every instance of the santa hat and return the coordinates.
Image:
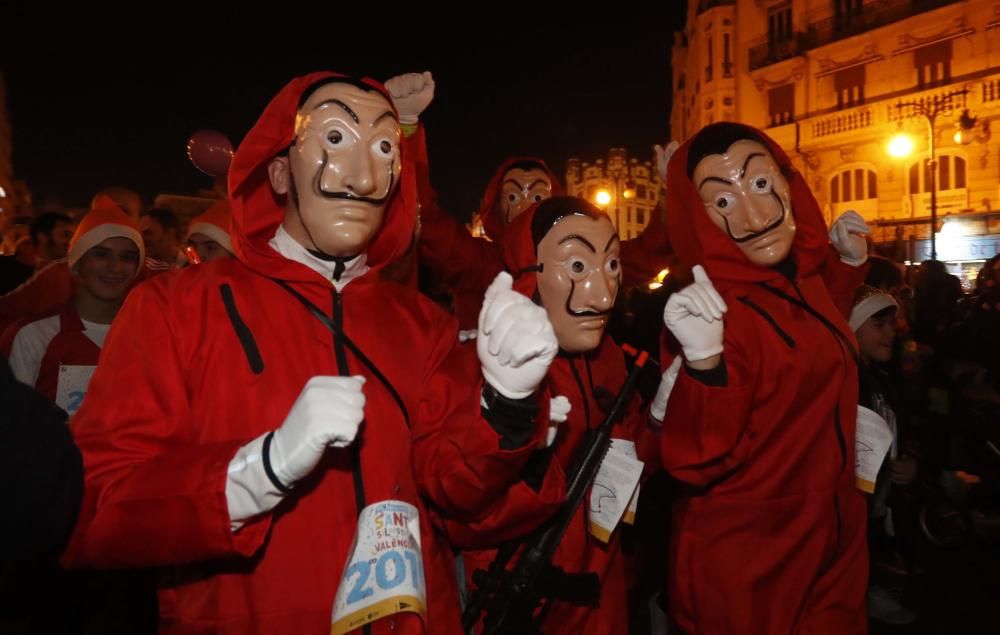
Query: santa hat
(104, 220)
(215, 223)
(869, 301)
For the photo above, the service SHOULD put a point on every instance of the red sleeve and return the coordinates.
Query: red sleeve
(151, 497)
(647, 254)
(41, 294)
(703, 436)
(519, 511)
(459, 258)
(457, 458)
(842, 280)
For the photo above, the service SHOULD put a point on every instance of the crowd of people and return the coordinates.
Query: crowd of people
(324, 404)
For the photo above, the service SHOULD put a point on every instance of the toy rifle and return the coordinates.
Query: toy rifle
(510, 598)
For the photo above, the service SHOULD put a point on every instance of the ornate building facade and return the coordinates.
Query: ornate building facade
(857, 91)
(626, 188)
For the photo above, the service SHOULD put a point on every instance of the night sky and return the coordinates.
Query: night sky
(94, 106)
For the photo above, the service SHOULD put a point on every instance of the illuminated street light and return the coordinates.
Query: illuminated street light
(603, 197)
(901, 145)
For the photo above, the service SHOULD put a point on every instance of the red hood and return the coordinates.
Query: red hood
(697, 240)
(257, 210)
(519, 252)
(487, 207)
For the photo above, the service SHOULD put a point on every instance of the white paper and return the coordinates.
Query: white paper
(614, 487)
(872, 440)
(385, 572)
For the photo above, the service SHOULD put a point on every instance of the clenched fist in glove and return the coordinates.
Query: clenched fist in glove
(516, 343)
(848, 237)
(694, 316)
(411, 94)
(327, 413)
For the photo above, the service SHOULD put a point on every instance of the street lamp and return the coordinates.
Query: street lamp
(616, 178)
(901, 145)
(929, 109)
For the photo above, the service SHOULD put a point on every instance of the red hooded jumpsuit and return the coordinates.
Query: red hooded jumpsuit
(200, 362)
(770, 536)
(590, 381)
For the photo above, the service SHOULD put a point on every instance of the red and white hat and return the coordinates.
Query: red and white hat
(214, 223)
(104, 220)
(867, 302)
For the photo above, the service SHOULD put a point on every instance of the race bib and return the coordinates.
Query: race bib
(385, 571)
(72, 386)
(614, 488)
(872, 440)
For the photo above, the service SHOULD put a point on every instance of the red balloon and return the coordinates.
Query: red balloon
(210, 151)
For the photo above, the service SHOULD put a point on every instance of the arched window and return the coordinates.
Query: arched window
(854, 183)
(951, 174)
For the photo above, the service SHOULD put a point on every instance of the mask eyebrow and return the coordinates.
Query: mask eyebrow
(346, 108)
(581, 239)
(613, 238)
(714, 179)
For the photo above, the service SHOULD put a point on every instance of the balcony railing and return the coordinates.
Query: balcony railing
(837, 27)
(872, 16)
(879, 116)
(845, 121)
(771, 52)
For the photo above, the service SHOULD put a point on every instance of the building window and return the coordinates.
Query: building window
(951, 175)
(681, 82)
(779, 23)
(850, 86)
(933, 64)
(853, 184)
(727, 61)
(708, 68)
(781, 105)
(640, 191)
(845, 12)
(640, 216)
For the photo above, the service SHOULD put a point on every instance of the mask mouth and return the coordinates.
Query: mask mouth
(347, 196)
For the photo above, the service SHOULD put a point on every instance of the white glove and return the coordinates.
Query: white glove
(516, 342)
(411, 93)
(658, 409)
(663, 159)
(559, 408)
(694, 316)
(848, 236)
(327, 413)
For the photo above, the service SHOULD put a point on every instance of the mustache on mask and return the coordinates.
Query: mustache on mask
(345, 196)
(583, 314)
(770, 226)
